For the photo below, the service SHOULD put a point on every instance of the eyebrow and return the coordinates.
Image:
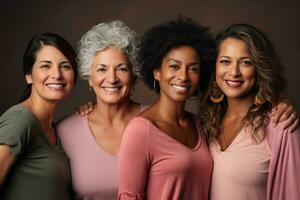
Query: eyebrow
(104, 65)
(230, 57)
(48, 61)
(193, 63)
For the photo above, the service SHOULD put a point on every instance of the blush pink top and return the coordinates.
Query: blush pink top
(154, 166)
(94, 171)
(258, 171)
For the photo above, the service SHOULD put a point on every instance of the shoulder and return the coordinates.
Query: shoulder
(277, 135)
(139, 123)
(17, 117)
(17, 126)
(71, 121)
(139, 128)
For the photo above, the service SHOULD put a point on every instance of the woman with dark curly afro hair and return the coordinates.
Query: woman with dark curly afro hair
(164, 154)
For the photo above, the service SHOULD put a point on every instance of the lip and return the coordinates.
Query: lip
(234, 83)
(180, 88)
(112, 89)
(56, 86)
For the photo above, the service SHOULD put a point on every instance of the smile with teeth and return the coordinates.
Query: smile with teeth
(55, 85)
(234, 83)
(112, 89)
(180, 88)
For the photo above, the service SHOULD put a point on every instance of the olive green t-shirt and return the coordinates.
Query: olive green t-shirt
(40, 171)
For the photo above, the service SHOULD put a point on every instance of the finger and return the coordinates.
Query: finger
(287, 113)
(294, 126)
(277, 114)
(83, 110)
(288, 122)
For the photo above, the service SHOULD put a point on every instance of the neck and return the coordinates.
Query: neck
(170, 110)
(110, 113)
(239, 107)
(43, 110)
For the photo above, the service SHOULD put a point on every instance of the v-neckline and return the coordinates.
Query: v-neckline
(94, 141)
(232, 139)
(164, 134)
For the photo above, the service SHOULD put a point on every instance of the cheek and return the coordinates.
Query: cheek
(70, 76)
(38, 76)
(250, 75)
(219, 75)
(195, 77)
(96, 79)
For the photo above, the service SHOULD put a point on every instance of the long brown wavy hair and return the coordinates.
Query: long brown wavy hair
(269, 88)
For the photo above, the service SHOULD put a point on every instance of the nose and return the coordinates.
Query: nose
(235, 69)
(112, 76)
(56, 72)
(182, 74)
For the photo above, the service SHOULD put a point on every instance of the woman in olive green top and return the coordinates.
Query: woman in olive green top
(32, 166)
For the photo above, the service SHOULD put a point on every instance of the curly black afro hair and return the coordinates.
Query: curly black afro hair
(159, 40)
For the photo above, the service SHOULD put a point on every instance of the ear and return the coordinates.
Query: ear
(90, 82)
(157, 74)
(28, 78)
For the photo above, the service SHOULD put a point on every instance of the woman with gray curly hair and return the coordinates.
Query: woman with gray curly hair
(107, 59)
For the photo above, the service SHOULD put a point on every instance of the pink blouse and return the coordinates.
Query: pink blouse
(154, 166)
(257, 171)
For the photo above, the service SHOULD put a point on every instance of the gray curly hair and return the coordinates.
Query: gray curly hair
(102, 36)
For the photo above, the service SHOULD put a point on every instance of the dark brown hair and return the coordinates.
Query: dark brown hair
(269, 88)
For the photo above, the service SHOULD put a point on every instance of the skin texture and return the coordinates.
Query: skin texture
(52, 77)
(111, 78)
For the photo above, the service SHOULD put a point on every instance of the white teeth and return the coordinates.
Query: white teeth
(111, 89)
(234, 83)
(179, 88)
(55, 86)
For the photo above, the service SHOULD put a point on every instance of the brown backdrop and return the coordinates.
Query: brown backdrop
(20, 20)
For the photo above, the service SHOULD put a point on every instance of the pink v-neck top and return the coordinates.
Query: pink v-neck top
(241, 171)
(94, 171)
(154, 166)
(268, 170)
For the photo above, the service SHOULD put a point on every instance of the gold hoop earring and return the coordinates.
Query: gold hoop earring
(154, 83)
(216, 95)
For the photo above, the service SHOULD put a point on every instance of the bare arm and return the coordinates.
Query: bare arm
(6, 161)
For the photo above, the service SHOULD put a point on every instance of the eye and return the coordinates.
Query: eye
(101, 69)
(194, 68)
(122, 68)
(66, 66)
(224, 61)
(174, 67)
(246, 63)
(45, 66)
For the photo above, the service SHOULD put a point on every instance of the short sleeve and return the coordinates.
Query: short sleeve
(15, 132)
(134, 161)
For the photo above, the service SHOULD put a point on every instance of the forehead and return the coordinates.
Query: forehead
(233, 46)
(111, 54)
(49, 52)
(182, 54)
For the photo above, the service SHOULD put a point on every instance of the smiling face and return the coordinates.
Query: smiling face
(179, 73)
(111, 77)
(52, 76)
(235, 71)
